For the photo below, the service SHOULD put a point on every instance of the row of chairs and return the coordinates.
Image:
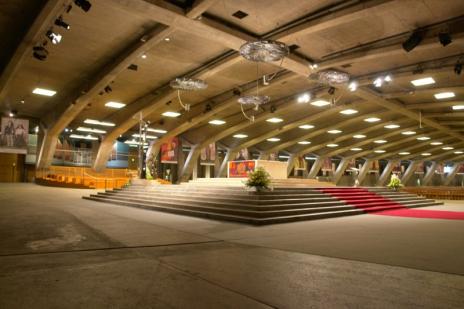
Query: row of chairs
(443, 193)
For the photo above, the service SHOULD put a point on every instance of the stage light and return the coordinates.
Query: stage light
(412, 41)
(445, 38)
(55, 38)
(458, 68)
(60, 23)
(39, 53)
(83, 4)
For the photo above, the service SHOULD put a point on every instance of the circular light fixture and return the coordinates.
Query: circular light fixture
(333, 77)
(255, 100)
(185, 83)
(264, 51)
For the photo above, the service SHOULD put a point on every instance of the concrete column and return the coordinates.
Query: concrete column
(316, 167)
(190, 162)
(452, 174)
(429, 175)
(263, 156)
(103, 154)
(341, 168)
(409, 171)
(230, 155)
(47, 150)
(290, 164)
(364, 170)
(387, 172)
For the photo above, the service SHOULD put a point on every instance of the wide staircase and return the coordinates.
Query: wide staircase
(229, 200)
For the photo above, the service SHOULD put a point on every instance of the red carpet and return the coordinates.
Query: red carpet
(376, 204)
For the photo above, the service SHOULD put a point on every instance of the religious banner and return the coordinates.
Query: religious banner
(374, 166)
(300, 163)
(440, 169)
(461, 169)
(170, 151)
(242, 155)
(14, 135)
(240, 169)
(327, 165)
(397, 168)
(351, 165)
(420, 168)
(274, 156)
(208, 155)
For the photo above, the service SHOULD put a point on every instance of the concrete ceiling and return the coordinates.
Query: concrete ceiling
(327, 33)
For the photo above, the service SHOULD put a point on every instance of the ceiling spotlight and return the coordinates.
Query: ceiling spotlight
(378, 82)
(208, 108)
(445, 38)
(331, 91)
(388, 78)
(13, 113)
(144, 56)
(60, 23)
(108, 89)
(83, 4)
(458, 68)
(412, 41)
(304, 98)
(39, 53)
(353, 86)
(55, 38)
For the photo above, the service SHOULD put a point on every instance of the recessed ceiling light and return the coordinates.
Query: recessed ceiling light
(423, 138)
(423, 81)
(306, 126)
(91, 130)
(240, 136)
(304, 98)
(348, 111)
(144, 56)
(45, 92)
(146, 136)
(273, 139)
(372, 119)
(320, 103)
(99, 123)
(115, 104)
(408, 133)
(448, 148)
(87, 137)
(171, 114)
(216, 122)
(391, 126)
(426, 154)
(380, 141)
(458, 152)
(359, 136)
(356, 149)
(404, 153)
(436, 143)
(332, 145)
(379, 151)
(334, 131)
(274, 120)
(156, 130)
(444, 95)
(304, 142)
(458, 107)
(167, 39)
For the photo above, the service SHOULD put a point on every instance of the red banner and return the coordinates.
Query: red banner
(170, 150)
(240, 169)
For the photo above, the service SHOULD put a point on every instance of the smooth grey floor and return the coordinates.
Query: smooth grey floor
(60, 251)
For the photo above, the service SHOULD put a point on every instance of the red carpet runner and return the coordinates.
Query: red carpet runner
(371, 202)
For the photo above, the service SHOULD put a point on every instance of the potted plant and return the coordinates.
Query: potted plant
(258, 180)
(395, 183)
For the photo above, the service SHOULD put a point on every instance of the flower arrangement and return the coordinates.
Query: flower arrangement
(258, 179)
(395, 182)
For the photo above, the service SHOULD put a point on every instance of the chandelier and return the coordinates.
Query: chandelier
(187, 84)
(264, 51)
(333, 77)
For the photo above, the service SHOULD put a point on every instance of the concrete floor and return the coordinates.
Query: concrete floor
(59, 251)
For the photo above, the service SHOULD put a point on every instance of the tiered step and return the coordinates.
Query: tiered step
(234, 203)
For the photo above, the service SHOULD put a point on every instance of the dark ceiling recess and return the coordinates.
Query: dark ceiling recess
(293, 47)
(348, 65)
(240, 14)
(184, 4)
(133, 67)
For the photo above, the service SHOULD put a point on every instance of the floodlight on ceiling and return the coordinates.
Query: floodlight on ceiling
(61, 23)
(412, 42)
(39, 53)
(83, 4)
(55, 38)
(445, 38)
(187, 84)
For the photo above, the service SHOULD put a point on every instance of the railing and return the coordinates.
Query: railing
(444, 193)
(82, 176)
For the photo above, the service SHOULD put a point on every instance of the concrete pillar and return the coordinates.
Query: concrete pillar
(263, 156)
(230, 155)
(385, 176)
(364, 170)
(341, 168)
(47, 150)
(316, 167)
(452, 174)
(103, 154)
(429, 174)
(187, 168)
(409, 171)
(290, 164)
